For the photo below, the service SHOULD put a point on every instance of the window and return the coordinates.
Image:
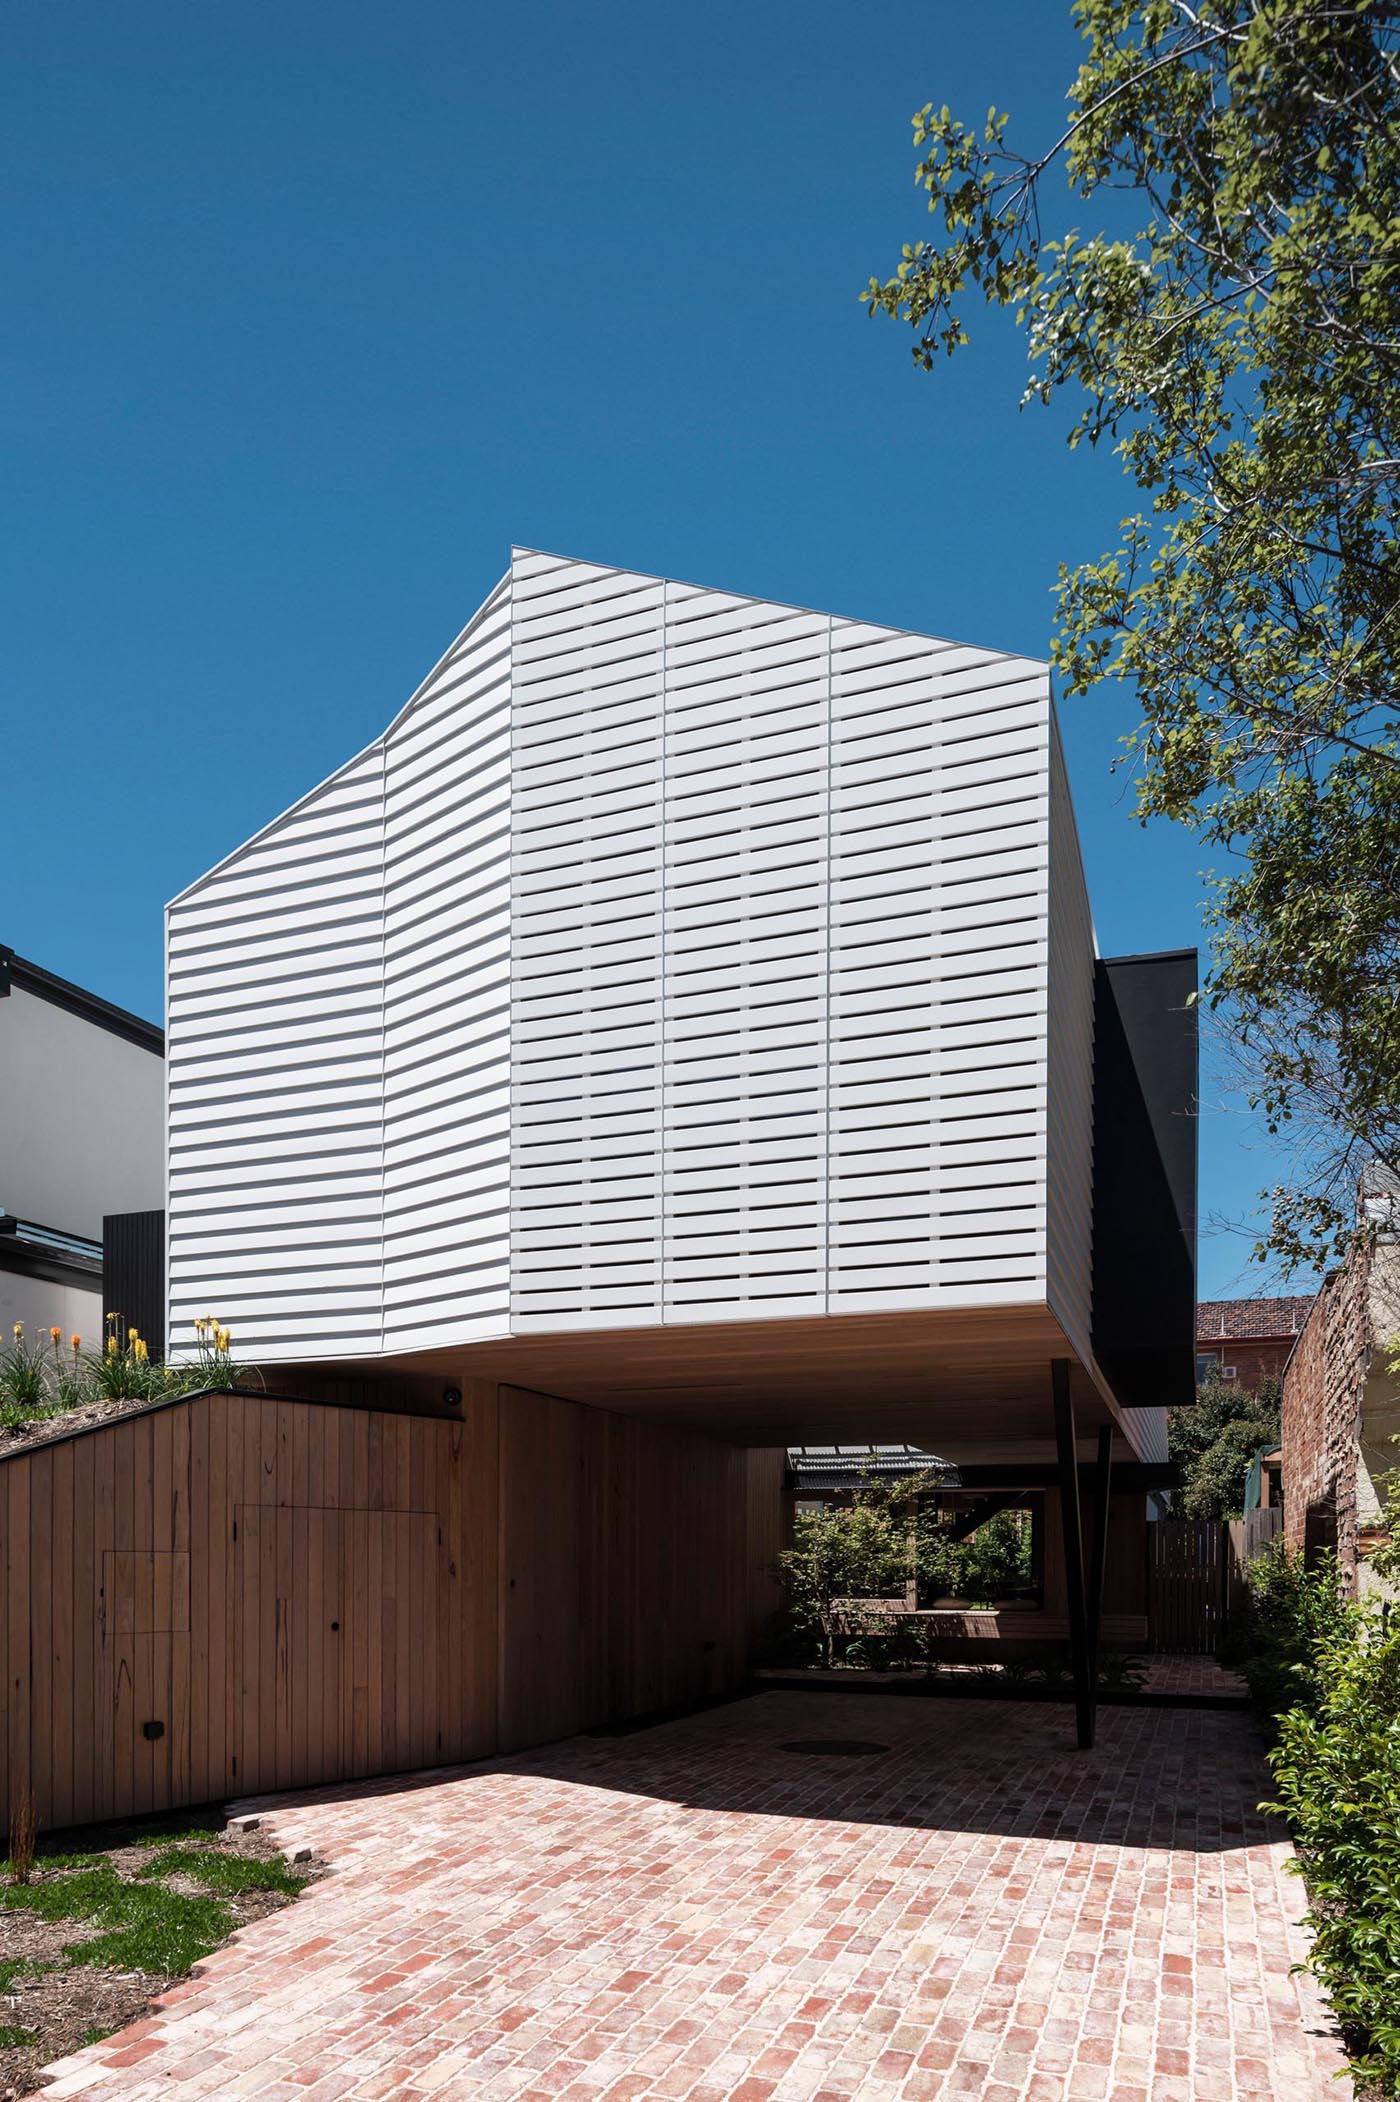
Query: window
(1207, 1364)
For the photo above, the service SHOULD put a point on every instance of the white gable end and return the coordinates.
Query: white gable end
(674, 957)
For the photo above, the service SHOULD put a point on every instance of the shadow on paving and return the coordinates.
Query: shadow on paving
(1157, 1779)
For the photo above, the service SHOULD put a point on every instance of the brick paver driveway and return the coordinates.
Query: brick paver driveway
(698, 1911)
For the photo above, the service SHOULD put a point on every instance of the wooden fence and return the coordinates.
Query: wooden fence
(238, 1593)
(1196, 1577)
(1186, 1589)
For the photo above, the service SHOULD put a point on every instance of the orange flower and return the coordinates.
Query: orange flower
(76, 1342)
(55, 1333)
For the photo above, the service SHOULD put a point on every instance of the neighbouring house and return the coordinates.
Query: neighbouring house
(1247, 1339)
(679, 1037)
(82, 1136)
(1341, 1410)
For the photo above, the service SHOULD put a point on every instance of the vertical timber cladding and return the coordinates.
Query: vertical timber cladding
(236, 1594)
(779, 962)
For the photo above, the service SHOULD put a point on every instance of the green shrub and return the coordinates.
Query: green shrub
(1293, 1616)
(892, 1535)
(1336, 1766)
(839, 1553)
(1214, 1440)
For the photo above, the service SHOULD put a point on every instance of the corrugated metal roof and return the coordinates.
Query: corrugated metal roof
(847, 1466)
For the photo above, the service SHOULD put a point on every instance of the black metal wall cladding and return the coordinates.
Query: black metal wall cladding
(1144, 1215)
(133, 1273)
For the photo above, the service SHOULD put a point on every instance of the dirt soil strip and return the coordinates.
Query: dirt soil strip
(71, 2004)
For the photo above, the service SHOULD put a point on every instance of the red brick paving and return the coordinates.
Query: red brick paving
(694, 1914)
(1201, 1677)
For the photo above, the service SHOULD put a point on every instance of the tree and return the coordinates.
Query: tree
(1239, 349)
(839, 1553)
(894, 1534)
(1214, 1442)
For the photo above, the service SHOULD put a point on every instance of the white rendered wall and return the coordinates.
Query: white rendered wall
(88, 1137)
(42, 1303)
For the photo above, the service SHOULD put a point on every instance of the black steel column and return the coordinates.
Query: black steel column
(1073, 1545)
(1098, 1553)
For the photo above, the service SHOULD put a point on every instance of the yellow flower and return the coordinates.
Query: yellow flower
(19, 1330)
(141, 1351)
(111, 1346)
(131, 1335)
(200, 1324)
(223, 1339)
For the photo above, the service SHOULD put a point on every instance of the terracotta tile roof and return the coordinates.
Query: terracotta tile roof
(1253, 1319)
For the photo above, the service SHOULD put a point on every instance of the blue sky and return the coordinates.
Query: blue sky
(313, 310)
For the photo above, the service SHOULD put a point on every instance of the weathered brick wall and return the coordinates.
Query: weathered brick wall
(1254, 1362)
(1322, 1398)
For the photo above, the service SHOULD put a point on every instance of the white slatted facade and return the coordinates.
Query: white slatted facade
(673, 957)
(338, 994)
(447, 997)
(938, 887)
(275, 999)
(587, 649)
(781, 933)
(745, 1050)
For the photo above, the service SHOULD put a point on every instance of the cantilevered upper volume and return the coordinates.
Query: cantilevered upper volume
(675, 961)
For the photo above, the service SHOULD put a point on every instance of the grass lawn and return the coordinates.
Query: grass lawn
(88, 1936)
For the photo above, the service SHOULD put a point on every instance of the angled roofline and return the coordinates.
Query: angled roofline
(66, 1432)
(18, 972)
(757, 598)
(345, 766)
(750, 598)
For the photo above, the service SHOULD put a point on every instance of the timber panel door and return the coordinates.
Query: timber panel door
(335, 1643)
(144, 1631)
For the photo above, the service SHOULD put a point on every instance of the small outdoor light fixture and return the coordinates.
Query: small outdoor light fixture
(452, 1396)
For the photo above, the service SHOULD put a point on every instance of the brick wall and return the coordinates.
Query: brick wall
(1254, 1361)
(1323, 1391)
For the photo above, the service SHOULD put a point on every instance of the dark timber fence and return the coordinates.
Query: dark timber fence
(1196, 1577)
(1187, 1592)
